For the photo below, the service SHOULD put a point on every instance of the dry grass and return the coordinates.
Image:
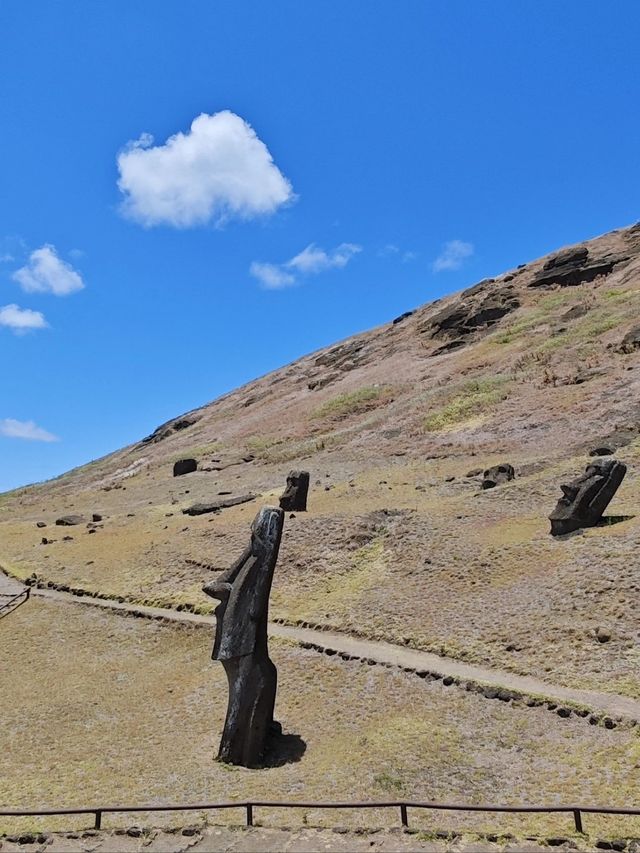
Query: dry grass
(99, 708)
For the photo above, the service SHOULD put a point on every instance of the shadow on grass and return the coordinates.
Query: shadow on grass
(283, 749)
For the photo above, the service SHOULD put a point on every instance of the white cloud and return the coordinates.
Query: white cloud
(216, 171)
(407, 257)
(272, 276)
(21, 320)
(452, 256)
(45, 272)
(309, 261)
(6, 258)
(28, 430)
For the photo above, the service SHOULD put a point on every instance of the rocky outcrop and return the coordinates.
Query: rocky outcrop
(171, 427)
(497, 475)
(477, 309)
(241, 642)
(184, 466)
(574, 266)
(630, 342)
(585, 499)
(294, 497)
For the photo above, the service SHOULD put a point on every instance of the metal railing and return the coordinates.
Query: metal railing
(15, 601)
(403, 806)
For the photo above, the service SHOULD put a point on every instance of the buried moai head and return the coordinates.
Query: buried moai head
(294, 497)
(585, 499)
(243, 590)
(497, 475)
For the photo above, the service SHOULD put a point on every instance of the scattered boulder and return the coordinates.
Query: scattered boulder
(630, 342)
(603, 635)
(602, 451)
(497, 475)
(96, 517)
(41, 523)
(216, 506)
(575, 312)
(294, 497)
(585, 499)
(69, 520)
(184, 466)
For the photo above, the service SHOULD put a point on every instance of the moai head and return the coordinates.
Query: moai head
(585, 499)
(497, 475)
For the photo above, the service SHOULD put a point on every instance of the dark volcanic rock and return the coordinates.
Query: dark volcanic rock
(165, 430)
(184, 466)
(402, 317)
(216, 506)
(630, 342)
(602, 451)
(476, 310)
(497, 475)
(69, 520)
(294, 497)
(572, 267)
(585, 499)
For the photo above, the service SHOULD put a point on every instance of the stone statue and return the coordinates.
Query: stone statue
(241, 642)
(294, 497)
(585, 499)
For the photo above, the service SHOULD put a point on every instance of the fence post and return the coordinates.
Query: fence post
(249, 814)
(98, 820)
(404, 818)
(578, 819)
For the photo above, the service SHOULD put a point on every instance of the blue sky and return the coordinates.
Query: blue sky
(353, 160)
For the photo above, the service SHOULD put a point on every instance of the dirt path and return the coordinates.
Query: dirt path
(389, 654)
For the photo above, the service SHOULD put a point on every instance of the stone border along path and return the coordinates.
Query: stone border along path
(611, 708)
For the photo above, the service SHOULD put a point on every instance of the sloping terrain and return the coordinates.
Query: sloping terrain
(536, 368)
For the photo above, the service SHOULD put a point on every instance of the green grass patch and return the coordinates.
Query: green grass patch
(474, 398)
(353, 402)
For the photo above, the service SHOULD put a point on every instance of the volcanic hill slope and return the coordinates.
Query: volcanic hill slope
(400, 542)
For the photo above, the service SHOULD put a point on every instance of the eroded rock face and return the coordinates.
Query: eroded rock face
(241, 642)
(585, 499)
(165, 430)
(294, 497)
(574, 266)
(184, 466)
(479, 308)
(630, 342)
(497, 475)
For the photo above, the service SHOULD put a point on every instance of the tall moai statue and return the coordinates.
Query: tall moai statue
(241, 642)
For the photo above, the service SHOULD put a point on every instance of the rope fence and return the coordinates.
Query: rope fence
(15, 601)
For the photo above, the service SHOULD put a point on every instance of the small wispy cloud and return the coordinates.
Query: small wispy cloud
(407, 257)
(6, 258)
(219, 169)
(310, 261)
(26, 430)
(452, 256)
(46, 272)
(21, 320)
(391, 250)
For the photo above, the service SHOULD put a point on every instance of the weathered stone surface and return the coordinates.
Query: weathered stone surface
(294, 497)
(165, 430)
(572, 267)
(216, 506)
(497, 474)
(602, 451)
(630, 342)
(69, 520)
(479, 308)
(184, 466)
(241, 642)
(402, 317)
(586, 498)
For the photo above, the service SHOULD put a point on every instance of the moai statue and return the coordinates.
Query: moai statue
(497, 475)
(241, 642)
(585, 499)
(294, 497)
